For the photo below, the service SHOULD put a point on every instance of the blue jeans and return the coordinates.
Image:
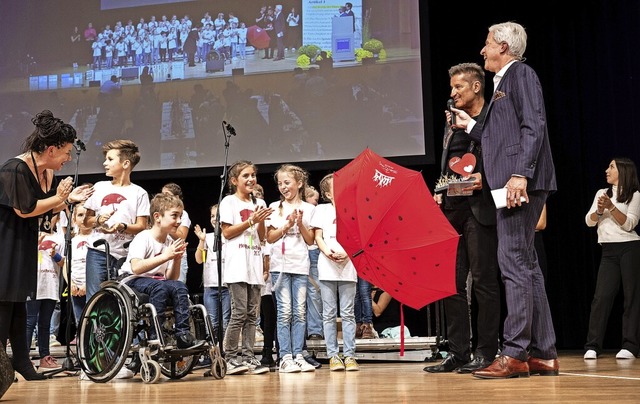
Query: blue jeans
(314, 300)
(291, 297)
(78, 305)
(39, 312)
(97, 270)
(184, 269)
(163, 292)
(364, 306)
(345, 291)
(210, 302)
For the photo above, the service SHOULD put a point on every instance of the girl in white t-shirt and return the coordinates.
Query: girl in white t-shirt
(289, 231)
(214, 291)
(242, 219)
(337, 280)
(79, 247)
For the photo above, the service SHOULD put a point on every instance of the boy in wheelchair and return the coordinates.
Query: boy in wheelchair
(153, 267)
(222, 45)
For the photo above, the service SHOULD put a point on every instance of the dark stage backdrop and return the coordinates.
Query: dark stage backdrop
(587, 61)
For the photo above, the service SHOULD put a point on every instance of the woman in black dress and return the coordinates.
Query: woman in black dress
(29, 197)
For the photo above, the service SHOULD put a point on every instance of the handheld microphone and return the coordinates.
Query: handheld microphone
(229, 128)
(451, 104)
(80, 145)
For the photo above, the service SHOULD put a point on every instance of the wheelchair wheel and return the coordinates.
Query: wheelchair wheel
(106, 332)
(214, 55)
(150, 373)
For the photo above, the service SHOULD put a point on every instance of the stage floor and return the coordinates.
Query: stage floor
(580, 381)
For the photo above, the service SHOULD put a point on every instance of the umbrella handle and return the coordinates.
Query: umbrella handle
(358, 253)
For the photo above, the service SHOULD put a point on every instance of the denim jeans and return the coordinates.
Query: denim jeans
(161, 294)
(364, 306)
(97, 270)
(345, 291)
(211, 304)
(78, 305)
(39, 312)
(184, 269)
(291, 297)
(245, 306)
(314, 300)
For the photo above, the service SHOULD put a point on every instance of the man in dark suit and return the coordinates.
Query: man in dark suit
(279, 27)
(517, 156)
(474, 217)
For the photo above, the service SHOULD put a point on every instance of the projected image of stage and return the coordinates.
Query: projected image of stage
(285, 106)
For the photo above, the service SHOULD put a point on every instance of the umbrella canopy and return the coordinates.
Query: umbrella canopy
(396, 235)
(258, 37)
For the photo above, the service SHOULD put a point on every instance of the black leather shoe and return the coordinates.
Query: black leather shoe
(479, 362)
(187, 341)
(450, 364)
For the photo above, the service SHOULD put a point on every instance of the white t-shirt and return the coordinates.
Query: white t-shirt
(79, 247)
(143, 246)
(324, 218)
(48, 269)
(268, 285)
(129, 203)
(290, 254)
(242, 254)
(210, 272)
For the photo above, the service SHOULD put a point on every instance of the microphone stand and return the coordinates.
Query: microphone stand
(69, 365)
(217, 230)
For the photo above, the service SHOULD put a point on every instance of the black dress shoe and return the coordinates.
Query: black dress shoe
(450, 364)
(479, 362)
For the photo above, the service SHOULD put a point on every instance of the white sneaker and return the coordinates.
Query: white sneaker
(124, 373)
(304, 365)
(53, 341)
(287, 365)
(259, 334)
(624, 354)
(590, 354)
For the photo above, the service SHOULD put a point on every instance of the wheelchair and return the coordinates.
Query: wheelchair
(116, 324)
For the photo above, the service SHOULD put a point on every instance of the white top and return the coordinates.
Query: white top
(290, 254)
(210, 272)
(609, 231)
(324, 218)
(129, 203)
(242, 254)
(143, 246)
(268, 285)
(48, 269)
(79, 247)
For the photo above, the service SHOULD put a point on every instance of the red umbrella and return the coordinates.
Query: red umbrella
(112, 199)
(258, 37)
(396, 235)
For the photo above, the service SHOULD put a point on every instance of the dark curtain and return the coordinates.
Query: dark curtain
(587, 60)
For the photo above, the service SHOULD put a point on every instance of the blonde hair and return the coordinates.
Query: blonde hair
(325, 186)
(163, 202)
(299, 174)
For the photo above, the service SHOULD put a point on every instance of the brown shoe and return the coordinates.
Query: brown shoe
(543, 367)
(358, 330)
(368, 332)
(504, 367)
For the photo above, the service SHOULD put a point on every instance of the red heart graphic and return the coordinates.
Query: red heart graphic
(463, 166)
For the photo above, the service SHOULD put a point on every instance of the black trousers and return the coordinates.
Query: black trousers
(477, 254)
